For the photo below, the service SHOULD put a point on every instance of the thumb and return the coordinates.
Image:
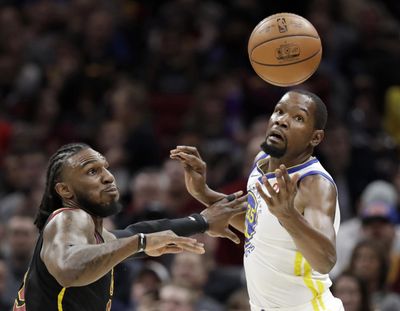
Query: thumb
(232, 236)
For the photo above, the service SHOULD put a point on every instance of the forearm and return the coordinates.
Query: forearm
(186, 226)
(316, 247)
(207, 196)
(87, 263)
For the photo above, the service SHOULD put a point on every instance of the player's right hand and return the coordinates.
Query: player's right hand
(195, 168)
(167, 242)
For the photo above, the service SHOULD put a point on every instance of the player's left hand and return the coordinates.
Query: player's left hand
(167, 242)
(280, 201)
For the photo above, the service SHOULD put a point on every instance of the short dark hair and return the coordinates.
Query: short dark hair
(321, 112)
(51, 201)
(362, 287)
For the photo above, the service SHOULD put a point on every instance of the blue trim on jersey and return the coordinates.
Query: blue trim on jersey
(263, 156)
(317, 173)
(291, 169)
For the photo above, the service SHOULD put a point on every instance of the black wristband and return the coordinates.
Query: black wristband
(201, 220)
(186, 226)
(141, 242)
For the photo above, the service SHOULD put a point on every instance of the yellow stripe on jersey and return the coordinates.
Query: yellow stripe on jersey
(112, 283)
(321, 288)
(297, 264)
(60, 299)
(300, 263)
(310, 284)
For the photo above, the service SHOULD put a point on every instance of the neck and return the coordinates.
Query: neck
(274, 163)
(98, 224)
(70, 204)
(98, 221)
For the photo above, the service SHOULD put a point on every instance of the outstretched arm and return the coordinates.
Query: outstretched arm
(196, 184)
(313, 233)
(195, 174)
(73, 258)
(214, 220)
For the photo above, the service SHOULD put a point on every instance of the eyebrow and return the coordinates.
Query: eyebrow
(87, 162)
(305, 110)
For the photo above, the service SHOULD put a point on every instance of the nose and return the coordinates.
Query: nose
(282, 121)
(107, 177)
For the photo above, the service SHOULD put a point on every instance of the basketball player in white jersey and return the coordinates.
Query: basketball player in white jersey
(293, 213)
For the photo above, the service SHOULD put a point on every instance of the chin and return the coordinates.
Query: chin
(273, 151)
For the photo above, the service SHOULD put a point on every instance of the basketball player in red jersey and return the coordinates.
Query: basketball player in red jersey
(72, 265)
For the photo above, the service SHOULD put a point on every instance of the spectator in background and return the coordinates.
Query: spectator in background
(128, 104)
(338, 161)
(193, 272)
(391, 117)
(21, 236)
(178, 200)
(177, 297)
(145, 287)
(238, 301)
(147, 193)
(352, 291)
(377, 220)
(370, 263)
(23, 178)
(4, 304)
(111, 139)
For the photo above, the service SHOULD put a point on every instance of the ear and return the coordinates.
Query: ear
(317, 137)
(64, 190)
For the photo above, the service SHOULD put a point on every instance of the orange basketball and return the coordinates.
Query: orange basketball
(285, 49)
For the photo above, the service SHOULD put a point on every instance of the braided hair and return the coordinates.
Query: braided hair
(51, 200)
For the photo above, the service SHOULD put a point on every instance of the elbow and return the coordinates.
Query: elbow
(67, 279)
(327, 265)
(66, 276)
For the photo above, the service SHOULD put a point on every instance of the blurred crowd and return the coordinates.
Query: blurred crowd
(136, 78)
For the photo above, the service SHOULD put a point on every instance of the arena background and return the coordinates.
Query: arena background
(136, 78)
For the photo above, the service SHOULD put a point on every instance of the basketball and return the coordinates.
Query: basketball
(284, 49)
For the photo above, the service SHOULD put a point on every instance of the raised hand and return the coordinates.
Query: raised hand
(195, 168)
(280, 201)
(219, 214)
(167, 242)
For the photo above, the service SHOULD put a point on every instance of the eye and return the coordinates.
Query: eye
(299, 118)
(278, 111)
(92, 171)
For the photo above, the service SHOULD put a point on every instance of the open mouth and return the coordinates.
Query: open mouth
(276, 136)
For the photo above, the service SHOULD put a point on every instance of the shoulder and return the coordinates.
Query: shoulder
(108, 236)
(317, 182)
(68, 221)
(315, 192)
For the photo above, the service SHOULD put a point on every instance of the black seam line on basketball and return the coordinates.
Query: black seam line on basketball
(291, 83)
(288, 64)
(286, 36)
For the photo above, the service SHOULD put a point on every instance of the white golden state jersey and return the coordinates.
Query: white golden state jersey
(278, 276)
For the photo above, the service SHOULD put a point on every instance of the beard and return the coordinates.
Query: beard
(96, 209)
(273, 151)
